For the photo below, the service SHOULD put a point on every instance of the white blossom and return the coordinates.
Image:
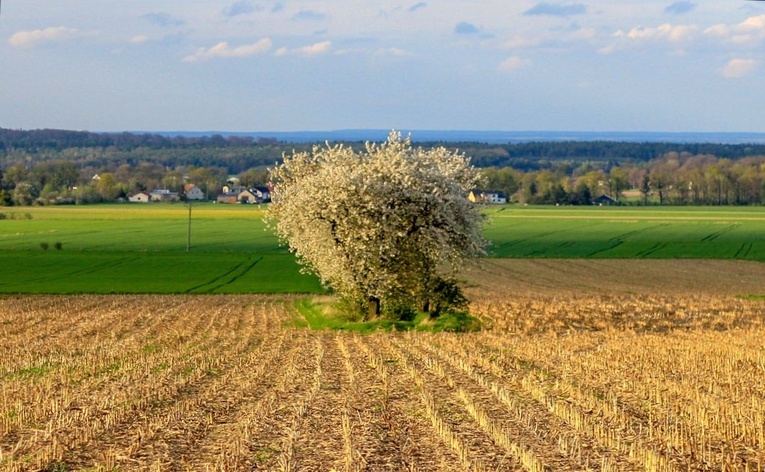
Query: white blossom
(381, 223)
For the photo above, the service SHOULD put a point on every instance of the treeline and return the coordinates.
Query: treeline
(541, 155)
(56, 167)
(34, 141)
(238, 153)
(672, 179)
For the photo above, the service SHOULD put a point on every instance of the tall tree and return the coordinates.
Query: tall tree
(383, 227)
(617, 181)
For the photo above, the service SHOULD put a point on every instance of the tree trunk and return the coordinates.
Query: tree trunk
(374, 308)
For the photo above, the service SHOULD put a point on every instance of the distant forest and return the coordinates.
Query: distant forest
(58, 167)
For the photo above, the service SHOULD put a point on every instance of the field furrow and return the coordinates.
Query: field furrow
(406, 435)
(473, 444)
(184, 437)
(321, 444)
(552, 431)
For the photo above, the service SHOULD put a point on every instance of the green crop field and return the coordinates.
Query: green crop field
(142, 248)
(637, 232)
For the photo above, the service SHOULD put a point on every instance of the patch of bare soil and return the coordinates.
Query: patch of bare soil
(616, 276)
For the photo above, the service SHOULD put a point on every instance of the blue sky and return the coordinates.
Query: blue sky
(433, 64)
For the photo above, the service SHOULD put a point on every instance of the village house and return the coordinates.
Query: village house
(164, 195)
(496, 197)
(263, 193)
(192, 192)
(227, 197)
(233, 188)
(246, 196)
(140, 197)
(255, 195)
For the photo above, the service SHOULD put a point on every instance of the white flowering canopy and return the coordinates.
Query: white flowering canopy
(379, 224)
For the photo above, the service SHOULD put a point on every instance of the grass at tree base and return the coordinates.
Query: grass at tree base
(325, 313)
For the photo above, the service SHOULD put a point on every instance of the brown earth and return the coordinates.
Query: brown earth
(616, 276)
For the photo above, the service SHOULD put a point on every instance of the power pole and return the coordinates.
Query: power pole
(188, 239)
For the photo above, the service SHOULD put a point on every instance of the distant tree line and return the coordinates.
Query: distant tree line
(60, 167)
(671, 179)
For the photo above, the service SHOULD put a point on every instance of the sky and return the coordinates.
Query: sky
(291, 65)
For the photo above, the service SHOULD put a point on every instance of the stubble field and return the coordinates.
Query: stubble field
(586, 370)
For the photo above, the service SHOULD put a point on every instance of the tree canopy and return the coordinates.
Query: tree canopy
(386, 227)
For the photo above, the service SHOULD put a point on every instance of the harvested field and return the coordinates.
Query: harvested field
(562, 381)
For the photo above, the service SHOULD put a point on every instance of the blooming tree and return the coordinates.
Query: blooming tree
(382, 227)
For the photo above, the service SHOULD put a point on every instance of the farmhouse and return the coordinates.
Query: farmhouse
(495, 197)
(193, 192)
(140, 197)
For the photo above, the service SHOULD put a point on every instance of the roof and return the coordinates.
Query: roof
(605, 198)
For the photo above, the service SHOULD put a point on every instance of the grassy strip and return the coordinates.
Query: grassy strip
(322, 313)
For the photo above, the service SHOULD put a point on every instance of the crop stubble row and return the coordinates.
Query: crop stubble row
(225, 383)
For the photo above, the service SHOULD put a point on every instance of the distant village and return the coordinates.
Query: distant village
(232, 193)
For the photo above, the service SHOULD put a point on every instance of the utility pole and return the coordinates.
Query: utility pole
(188, 239)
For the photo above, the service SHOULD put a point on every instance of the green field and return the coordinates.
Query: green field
(637, 232)
(142, 248)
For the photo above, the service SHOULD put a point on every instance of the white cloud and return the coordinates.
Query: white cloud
(718, 30)
(140, 39)
(753, 22)
(666, 31)
(366, 51)
(514, 63)
(223, 49)
(679, 36)
(749, 32)
(394, 52)
(316, 48)
(310, 50)
(27, 39)
(738, 68)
